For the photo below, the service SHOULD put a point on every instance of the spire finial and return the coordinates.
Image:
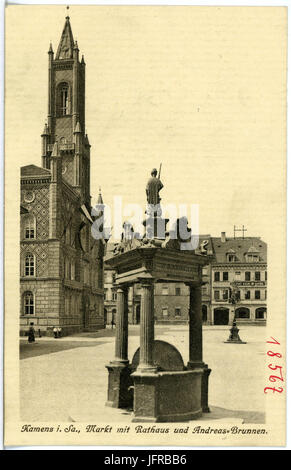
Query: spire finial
(100, 199)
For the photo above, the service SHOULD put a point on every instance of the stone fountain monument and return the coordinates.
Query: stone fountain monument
(157, 383)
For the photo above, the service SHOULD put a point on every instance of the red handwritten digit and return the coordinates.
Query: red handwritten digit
(272, 354)
(273, 342)
(279, 390)
(273, 378)
(275, 368)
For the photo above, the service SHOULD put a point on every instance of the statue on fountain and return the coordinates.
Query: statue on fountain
(154, 185)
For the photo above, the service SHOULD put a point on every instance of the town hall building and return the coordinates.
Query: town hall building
(61, 264)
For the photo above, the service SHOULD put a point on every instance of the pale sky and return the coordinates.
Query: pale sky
(202, 90)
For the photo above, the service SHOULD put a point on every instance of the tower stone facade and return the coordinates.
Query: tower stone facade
(61, 264)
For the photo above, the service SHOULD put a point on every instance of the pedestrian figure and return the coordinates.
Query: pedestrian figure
(31, 333)
(59, 332)
(55, 330)
(112, 323)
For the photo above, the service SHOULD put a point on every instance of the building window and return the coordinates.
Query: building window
(257, 294)
(165, 289)
(225, 294)
(237, 275)
(247, 276)
(261, 312)
(114, 295)
(28, 302)
(63, 104)
(266, 275)
(225, 276)
(177, 312)
(105, 294)
(248, 295)
(165, 311)
(178, 290)
(29, 227)
(252, 258)
(242, 312)
(67, 269)
(257, 276)
(216, 295)
(72, 270)
(29, 265)
(204, 291)
(217, 276)
(231, 258)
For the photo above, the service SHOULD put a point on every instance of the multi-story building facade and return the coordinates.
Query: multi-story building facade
(235, 264)
(240, 265)
(171, 300)
(61, 264)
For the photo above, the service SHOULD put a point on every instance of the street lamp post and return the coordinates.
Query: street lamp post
(234, 299)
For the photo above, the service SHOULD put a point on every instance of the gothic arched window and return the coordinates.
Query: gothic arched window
(63, 99)
(29, 227)
(29, 268)
(28, 303)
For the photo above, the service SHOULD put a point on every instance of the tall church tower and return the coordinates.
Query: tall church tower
(66, 114)
(61, 263)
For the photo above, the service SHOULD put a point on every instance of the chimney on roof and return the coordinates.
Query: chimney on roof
(223, 237)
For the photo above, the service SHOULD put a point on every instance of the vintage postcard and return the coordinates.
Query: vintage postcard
(145, 226)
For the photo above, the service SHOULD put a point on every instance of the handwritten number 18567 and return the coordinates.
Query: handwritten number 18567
(275, 378)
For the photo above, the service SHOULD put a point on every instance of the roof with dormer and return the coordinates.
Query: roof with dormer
(239, 246)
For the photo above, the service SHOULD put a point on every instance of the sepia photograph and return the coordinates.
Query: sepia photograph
(145, 225)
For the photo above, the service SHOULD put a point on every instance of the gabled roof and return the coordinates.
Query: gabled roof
(240, 246)
(33, 170)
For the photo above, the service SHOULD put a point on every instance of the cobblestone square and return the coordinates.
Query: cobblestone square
(65, 379)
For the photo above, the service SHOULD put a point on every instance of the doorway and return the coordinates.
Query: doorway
(221, 316)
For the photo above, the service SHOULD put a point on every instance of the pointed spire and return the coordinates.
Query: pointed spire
(45, 131)
(66, 46)
(55, 152)
(100, 200)
(87, 140)
(50, 49)
(77, 128)
(83, 60)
